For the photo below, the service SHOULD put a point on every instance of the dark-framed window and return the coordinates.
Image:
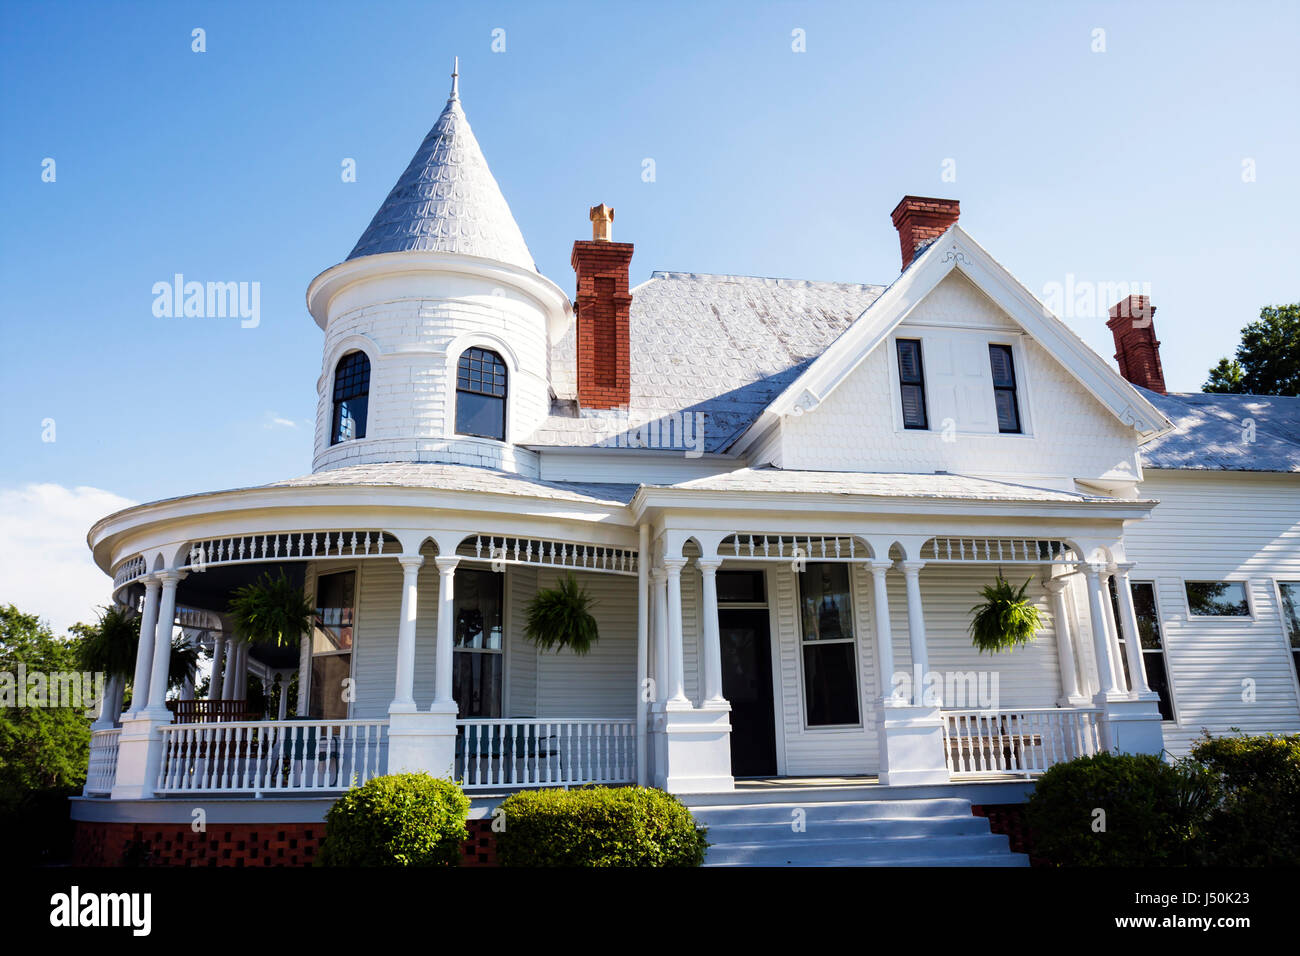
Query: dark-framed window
(1004, 388)
(1217, 598)
(481, 394)
(830, 670)
(911, 381)
(351, 397)
(1151, 639)
(478, 648)
(741, 587)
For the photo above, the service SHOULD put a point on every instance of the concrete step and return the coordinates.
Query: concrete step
(878, 829)
(783, 812)
(974, 849)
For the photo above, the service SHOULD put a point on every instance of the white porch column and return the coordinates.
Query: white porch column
(1101, 645)
(304, 674)
(144, 648)
(444, 697)
(1070, 695)
(283, 678)
(916, 633)
(162, 645)
(711, 652)
(242, 687)
(218, 662)
(1136, 667)
(404, 693)
(642, 651)
(228, 679)
(659, 577)
(676, 653)
(884, 632)
(1112, 632)
(110, 708)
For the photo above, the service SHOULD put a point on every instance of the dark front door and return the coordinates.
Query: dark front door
(747, 683)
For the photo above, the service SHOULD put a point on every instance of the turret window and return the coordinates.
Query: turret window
(481, 394)
(351, 397)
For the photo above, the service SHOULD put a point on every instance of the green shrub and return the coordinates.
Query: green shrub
(1153, 811)
(405, 819)
(599, 826)
(1256, 820)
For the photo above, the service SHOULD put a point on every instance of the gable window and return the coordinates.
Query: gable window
(331, 644)
(481, 394)
(830, 680)
(911, 380)
(478, 649)
(351, 397)
(1217, 599)
(1150, 639)
(1291, 616)
(1004, 388)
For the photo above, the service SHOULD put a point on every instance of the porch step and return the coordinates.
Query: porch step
(917, 832)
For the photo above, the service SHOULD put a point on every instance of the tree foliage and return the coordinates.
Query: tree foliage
(1268, 357)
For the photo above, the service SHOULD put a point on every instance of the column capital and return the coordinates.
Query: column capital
(1123, 567)
(708, 565)
(911, 568)
(879, 566)
(410, 562)
(658, 575)
(151, 582)
(673, 566)
(446, 563)
(172, 577)
(1055, 585)
(1093, 569)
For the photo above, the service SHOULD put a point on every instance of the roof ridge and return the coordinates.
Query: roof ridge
(774, 280)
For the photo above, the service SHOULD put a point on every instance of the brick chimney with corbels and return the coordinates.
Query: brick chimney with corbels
(603, 304)
(920, 220)
(1132, 322)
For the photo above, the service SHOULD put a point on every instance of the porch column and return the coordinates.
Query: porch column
(232, 664)
(110, 708)
(1112, 631)
(304, 674)
(282, 678)
(162, 644)
(884, 633)
(1136, 668)
(404, 693)
(711, 652)
(1100, 640)
(144, 648)
(916, 633)
(218, 661)
(1064, 644)
(676, 653)
(642, 651)
(443, 697)
(659, 577)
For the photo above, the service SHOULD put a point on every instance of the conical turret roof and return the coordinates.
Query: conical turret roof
(447, 201)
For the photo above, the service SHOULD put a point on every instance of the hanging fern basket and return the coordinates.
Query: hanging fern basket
(1006, 620)
(559, 618)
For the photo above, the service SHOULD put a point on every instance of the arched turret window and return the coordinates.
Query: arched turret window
(351, 397)
(481, 394)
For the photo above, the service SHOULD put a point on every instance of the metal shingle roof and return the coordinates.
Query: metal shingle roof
(717, 344)
(1220, 432)
(447, 201)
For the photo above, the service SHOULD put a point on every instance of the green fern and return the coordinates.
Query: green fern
(1005, 620)
(272, 611)
(560, 617)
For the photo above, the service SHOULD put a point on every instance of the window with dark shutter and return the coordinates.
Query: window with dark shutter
(1004, 388)
(911, 379)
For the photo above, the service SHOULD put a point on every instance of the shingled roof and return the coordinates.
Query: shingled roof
(1218, 432)
(447, 201)
(721, 345)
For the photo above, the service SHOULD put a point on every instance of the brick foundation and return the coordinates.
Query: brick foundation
(233, 844)
(1009, 819)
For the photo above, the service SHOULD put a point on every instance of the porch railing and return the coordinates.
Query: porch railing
(271, 756)
(555, 752)
(102, 772)
(1018, 741)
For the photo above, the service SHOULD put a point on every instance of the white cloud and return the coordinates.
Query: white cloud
(45, 565)
(277, 421)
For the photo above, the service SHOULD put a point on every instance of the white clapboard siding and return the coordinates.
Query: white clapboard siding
(521, 655)
(1222, 526)
(603, 682)
(824, 750)
(692, 628)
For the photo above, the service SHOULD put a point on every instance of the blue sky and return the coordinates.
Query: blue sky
(1122, 165)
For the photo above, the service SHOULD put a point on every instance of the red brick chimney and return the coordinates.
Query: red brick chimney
(1132, 322)
(603, 304)
(918, 220)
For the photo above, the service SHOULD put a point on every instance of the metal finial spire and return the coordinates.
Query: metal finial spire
(455, 78)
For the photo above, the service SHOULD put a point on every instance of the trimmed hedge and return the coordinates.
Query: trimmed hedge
(405, 819)
(598, 826)
(1256, 820)
(1118, 810)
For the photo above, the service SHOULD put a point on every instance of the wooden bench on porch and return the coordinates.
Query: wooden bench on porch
(208, 711)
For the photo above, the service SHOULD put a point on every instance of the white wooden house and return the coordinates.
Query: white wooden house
(784, 496)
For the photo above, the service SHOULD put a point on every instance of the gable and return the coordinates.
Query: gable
(1067, 434)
